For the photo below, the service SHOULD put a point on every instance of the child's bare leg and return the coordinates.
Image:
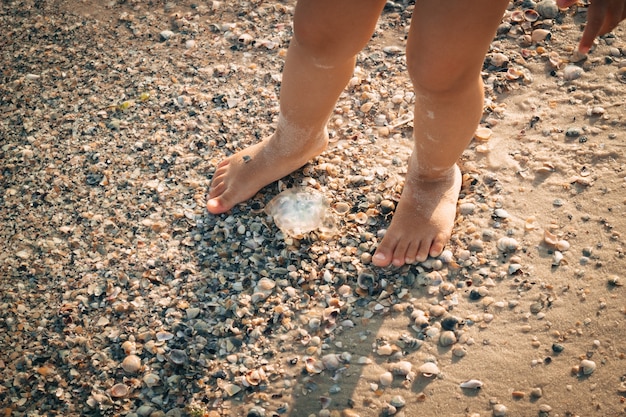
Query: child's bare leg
(447, 44)
(327, 36)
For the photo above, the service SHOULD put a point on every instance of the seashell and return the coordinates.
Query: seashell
(367, 280)
(507, 244)
(331, 361)
(499, 410)
(615, 281)
(151, 380)
(447, 288)
(178, 357)
(539, 35)
(547, 9)
(429, 369)
(447, 338)
(265, 284)
(254, 377)
(514, 74)
(483, 133)
(164, 336)
(449, 322)
(531, 15)
(313, 366)
(129, 347)
(572, 72)
(562, 245)
(385, 350)
(557, 258)
(459, 351)
(388, 410)
(330, 314)
(245, 38)
(231, 389)
(499, 60)
(119, 390)
(402, 368)
(131, 364)
(446, 256)
(555, 60)
(410, 342)
(398, 401)
(386, 378)
(587, 367)
(360, 218)
(517, 16)
(472, 384)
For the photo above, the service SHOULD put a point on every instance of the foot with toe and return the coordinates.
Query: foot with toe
(423, 221)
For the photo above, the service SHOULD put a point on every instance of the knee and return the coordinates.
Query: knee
(442, 77)
(321, 44)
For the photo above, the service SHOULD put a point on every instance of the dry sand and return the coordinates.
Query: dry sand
(109, 136)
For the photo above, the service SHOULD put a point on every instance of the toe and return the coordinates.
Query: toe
(216, 206)
(438, 246)
(422, 252)
(400, 253)
(384, 254)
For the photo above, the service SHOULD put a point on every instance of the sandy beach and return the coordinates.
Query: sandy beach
(120, 295)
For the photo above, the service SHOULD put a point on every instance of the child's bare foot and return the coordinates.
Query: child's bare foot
(423, 221)
(240, 176)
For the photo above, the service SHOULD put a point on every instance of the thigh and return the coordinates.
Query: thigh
(333, 29)
(448, 39)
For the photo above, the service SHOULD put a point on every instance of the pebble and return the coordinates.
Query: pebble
(547, 9)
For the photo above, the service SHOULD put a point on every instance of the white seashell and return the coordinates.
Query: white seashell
(401, 368)
(266, 284)
(385, 350)
(447, 338)
(131, 364)
(313, 366)
(386, 378)
(507, 244)
(472, 384)
(539, 35)
(231, 389)
(499, 410)
(587, 367)
(499, 60)
(151, 380)
(398, 401)
(557, 258)
(429, 369)
(129, 347)
(562, 245)
(572, 72)
(459, 351)
(331, 361)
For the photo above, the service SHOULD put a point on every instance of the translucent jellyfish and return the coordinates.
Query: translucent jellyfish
(297, 211)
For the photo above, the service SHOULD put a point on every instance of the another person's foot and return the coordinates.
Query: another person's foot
(240, 176)
(422, 223)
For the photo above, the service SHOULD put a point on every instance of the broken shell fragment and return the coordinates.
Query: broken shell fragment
(313, 366)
